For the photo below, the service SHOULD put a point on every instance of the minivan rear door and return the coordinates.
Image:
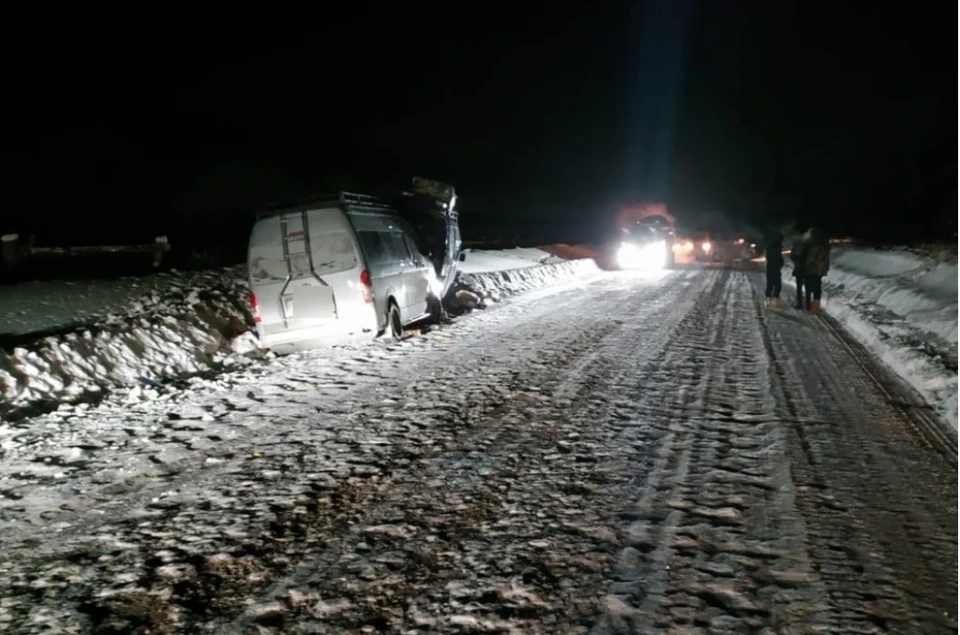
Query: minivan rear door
(300, 275)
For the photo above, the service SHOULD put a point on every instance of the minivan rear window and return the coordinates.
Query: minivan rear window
(398, 247)
(333, 252)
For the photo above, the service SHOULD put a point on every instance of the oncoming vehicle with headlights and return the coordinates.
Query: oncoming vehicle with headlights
(646, 237)
(704, 248)
(714, 248)
(644, 247)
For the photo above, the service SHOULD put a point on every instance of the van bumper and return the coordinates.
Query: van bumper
(335, 332)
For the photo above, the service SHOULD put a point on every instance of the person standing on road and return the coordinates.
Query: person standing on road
(816, 266)
(773, 254)
(798, 256)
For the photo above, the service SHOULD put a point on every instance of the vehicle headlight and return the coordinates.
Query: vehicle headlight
(706, 247)
(650, 256)
(628, 255)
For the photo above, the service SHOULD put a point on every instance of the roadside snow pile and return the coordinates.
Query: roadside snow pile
(909, 285)
(485, 261)
(183, 324)
(903, 305)
(492, 286)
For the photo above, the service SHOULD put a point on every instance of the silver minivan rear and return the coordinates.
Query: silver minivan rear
(328, 273)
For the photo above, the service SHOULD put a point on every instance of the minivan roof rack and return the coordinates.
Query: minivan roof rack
(355, 200)
(365, 202)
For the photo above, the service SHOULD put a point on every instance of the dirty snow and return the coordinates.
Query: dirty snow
(143, 430)
(627, 453)
(902, 305)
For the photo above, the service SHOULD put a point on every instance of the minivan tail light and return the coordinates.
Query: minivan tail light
(366, 286)
(255, 307)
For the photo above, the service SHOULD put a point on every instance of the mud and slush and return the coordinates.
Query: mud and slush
(639, 454)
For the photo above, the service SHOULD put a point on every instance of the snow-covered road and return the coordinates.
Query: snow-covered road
(626, 454)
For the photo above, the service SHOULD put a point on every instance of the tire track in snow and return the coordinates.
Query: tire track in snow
(636, 576)
(897, 393)
(700, 467)
(702, 548)
(471, 497)
(879, 508)
(248, 515)
(106, 458)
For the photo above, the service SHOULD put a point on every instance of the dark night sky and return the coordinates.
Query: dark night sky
(766, 111)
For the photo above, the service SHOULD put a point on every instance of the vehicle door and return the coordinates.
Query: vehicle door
(386, 272)
(420, 274)
(300, 264)
(406, 285)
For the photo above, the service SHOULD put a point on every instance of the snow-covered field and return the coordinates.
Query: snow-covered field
(902, 304)
(68, 343)
(40, 305)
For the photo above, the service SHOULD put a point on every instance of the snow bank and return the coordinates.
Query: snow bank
(903, 306)
(492, 286)
(917, 289)
(483, 261)
(178, 325)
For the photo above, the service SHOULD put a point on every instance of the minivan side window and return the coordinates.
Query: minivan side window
(411, 247)
(374, 247)
(398, 247)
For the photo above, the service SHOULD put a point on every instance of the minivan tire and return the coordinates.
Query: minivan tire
(434, 310)
(394, 322)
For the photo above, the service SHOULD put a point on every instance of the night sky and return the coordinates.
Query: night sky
(761, 112)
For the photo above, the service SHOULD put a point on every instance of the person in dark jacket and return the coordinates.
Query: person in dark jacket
(774, 257)
(816, 266)
(798, 256)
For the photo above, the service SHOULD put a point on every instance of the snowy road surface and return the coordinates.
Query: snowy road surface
(632, 454)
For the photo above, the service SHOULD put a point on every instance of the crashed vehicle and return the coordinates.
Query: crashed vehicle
(431, 208)
(647, 236)
(351, 266)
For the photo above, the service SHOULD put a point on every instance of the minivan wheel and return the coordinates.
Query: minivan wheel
(394, 322)
(434, 310)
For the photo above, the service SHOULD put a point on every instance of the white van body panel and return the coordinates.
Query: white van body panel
(305, 267)
(397, 268)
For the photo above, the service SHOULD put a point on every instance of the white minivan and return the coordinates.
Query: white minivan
(334, 271)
